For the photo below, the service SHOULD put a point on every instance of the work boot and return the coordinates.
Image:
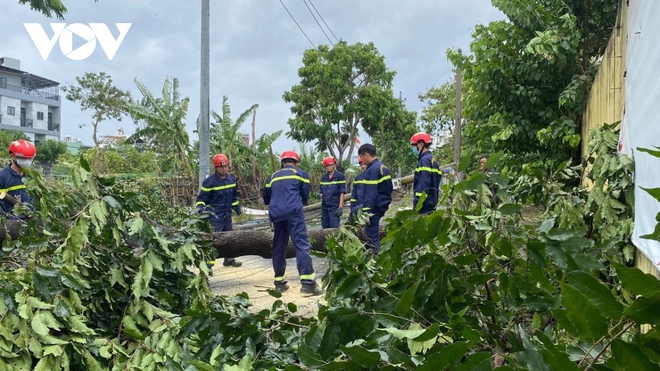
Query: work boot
(281, 286)
(210, 267)
(231, 262)
(311, 288)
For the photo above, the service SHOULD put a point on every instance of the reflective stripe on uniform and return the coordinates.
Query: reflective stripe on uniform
(386, 177)
(280, 279)
(200, 203)
(219, 188)
(310, 277)
(352, 200)
(418, 194)
(14, 188)
(335, 182)
(234, 203)
(429, 169)
(296, 177)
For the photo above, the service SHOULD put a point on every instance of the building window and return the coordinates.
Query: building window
(40, 116)
(3, 82)
(11, 111)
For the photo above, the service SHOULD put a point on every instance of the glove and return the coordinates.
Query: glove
(239, 211)
(339, 211)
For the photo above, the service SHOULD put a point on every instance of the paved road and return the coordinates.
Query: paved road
(255, 276)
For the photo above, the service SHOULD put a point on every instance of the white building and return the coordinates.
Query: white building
(28, 103)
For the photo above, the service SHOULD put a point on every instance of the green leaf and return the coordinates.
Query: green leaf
(531, 357)
(361, 356)
(447, 357)
(405, 302)
(308, 356)
(583, 314)
(554, 357)
(598, 293)
(654, 192)
(130, 328)
(349, 286)
(638, 282)
(331, 338)
(77, 325)
(547, 225)
(510, 209)
(429, 334)
(404, 334)
(645, 310)
(630, 357)
(38, 324)
(48, 271)
(477, 362)
(84, 164)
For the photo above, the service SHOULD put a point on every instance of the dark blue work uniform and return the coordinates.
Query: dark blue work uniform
(286, 191)
(427, 179)
(219, 196)
(355, 193)
(331, 189)
(12, 183)
(376, 196)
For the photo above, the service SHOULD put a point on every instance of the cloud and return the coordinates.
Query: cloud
(256, 49)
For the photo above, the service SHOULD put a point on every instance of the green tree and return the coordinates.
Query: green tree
(48, 7)
(49, 150)
(97, 93)
(391, 134)
(226, 137)
(164, 128)
(340, 89)
(527, 79)
(8, 136)
(440, 108)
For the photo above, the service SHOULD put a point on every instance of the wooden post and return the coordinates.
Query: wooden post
(458, 117)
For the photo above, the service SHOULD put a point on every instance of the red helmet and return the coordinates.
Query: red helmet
(291, 155)
(329, 161)
(220, 160)
(22, 148)
(420, 137)
(360, 160)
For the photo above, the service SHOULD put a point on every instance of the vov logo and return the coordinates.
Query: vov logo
(64, 33)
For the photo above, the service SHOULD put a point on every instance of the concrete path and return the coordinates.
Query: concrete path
(255, 276)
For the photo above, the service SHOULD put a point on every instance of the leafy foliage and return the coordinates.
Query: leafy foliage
(526, 82)
(97, 93)
(341, 89)
(48, 151)
(49, 8)
(8, 136)
(164, 129)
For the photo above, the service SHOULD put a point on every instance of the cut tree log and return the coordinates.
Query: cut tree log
(259, 242)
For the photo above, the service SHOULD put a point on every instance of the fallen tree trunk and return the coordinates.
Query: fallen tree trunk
(259, 242)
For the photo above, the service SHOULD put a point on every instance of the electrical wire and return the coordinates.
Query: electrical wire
(326, 25)
(317, 22)
(296, 22)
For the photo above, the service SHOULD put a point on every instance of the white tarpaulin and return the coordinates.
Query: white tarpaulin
(641, 120)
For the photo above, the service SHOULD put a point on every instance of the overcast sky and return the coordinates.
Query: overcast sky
(256, 49)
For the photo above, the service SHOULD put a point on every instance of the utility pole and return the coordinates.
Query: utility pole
(459, 114)
(204, 113)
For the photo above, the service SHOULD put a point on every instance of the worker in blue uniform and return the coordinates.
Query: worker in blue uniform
(332, 192)
(220, 196)
(285, 193)
(376, 192)
(427, 177)
(22, 153)
(355, 192)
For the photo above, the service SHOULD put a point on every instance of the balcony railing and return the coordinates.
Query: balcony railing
(53, 126)
(26, 123)
(34, 93)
